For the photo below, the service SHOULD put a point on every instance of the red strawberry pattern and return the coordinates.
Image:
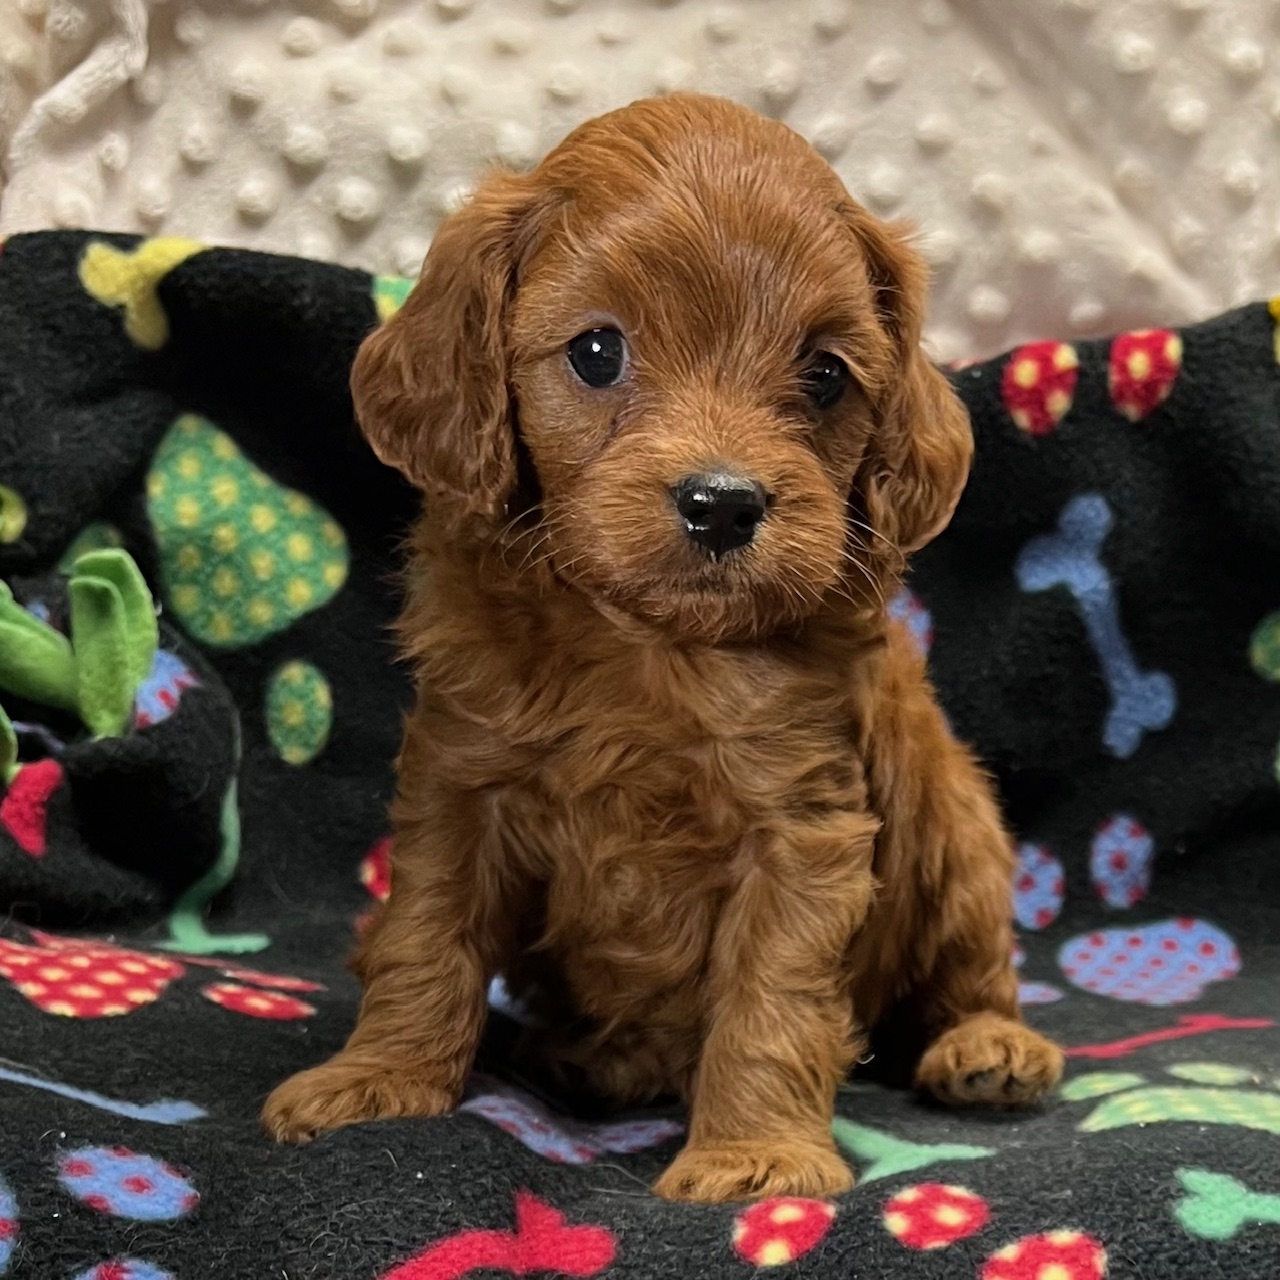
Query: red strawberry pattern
(81, 978)
(256, 1003)
(88, 978)
(776, 1232)
(24, 809)
(1038, 385)
(933, 1215)
(375, 869)
(1053, 1255)
(1142, 369)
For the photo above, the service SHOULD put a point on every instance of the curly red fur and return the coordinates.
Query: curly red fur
(703, 813)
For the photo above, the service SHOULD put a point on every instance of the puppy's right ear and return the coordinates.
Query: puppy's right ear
(430, 384)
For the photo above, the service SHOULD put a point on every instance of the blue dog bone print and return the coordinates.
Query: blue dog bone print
(1071, 558)
(167, 1111)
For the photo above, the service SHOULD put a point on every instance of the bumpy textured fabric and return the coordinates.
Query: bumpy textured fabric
(1102, 619)
(1078, 165)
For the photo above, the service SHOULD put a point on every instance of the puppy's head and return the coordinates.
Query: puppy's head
(707, 353)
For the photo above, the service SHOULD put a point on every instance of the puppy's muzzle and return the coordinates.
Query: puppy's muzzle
(721, 512)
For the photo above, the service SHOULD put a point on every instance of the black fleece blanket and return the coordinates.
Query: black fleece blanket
(192, 817)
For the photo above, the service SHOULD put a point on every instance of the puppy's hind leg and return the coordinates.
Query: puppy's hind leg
(981, 1052)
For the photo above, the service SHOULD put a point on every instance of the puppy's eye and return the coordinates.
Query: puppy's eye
(824, 379)
(598, 357)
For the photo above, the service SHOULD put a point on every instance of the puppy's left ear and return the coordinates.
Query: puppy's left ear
(918, 462)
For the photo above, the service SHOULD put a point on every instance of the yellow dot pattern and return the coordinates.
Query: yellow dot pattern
(1243, 1107)
(299, 712)
(389, 293)
(242, 556)
(13, 514)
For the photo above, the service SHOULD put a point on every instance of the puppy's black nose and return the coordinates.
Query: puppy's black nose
(720, 511)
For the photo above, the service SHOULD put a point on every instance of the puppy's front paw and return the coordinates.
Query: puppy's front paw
(720, 1173)
(990, 1060)
(349, 1091)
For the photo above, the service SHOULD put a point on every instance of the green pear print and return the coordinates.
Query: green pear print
(242, 557)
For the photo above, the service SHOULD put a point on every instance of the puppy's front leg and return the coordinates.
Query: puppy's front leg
(780, 1034)
(425, 963)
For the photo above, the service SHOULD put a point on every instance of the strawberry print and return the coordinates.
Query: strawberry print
(256, 1003)
(280, 981)
(1038, 385)
(82, 978)
(127, 1184)
(1120, 859)
(933, 1215)
(24, 809)
(1142, 369)
(776, 1232)
(1054, 1255)
(375, 869)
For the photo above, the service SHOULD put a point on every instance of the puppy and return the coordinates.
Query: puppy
(672, 770)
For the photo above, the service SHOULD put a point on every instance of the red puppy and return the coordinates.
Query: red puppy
(671, 769)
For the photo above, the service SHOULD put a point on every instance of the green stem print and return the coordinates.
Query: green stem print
(1217, 1207)
(880, 1155)
(187, 932)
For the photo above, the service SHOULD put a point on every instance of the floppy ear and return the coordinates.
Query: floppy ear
(918, 462)
(430, 385)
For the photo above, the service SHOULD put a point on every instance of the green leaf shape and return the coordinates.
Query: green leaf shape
(98, 536)
(1264, 647)
(8, 750)
(36, 661)
(1243, 1107)
(1096, 1083)
(242, 556)
(1217, 1206)
(389, 293)
(299, 712)
(1211, 1073)
(881, 1155)
(142, 631)
(100, 638)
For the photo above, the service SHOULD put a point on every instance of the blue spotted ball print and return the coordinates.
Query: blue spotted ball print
(1120, 860)
(1162, 964)
(1038, 886)
(127, 1184)
(159, 694)
(124, 1269)
(8, 1225)
(906, 607)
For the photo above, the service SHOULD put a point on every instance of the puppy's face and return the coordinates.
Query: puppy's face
(708, 352)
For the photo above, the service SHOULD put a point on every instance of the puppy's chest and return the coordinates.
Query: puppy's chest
(660, 778)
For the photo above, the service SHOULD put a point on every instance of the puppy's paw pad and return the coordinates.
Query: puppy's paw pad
(990, 1061)
(341, 1093)
(734, 1171)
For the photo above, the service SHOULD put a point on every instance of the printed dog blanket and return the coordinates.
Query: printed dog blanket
(192, 817)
